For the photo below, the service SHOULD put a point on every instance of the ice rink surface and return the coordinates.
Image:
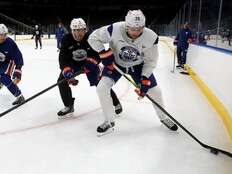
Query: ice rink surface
(34, 141)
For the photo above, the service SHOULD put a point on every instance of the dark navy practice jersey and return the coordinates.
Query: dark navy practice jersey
(183, 38)
(74, 53)
(37, 33)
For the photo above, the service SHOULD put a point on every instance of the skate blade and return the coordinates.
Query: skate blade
(110, 130)
(67, 116)
(117, 116)
(185, 73)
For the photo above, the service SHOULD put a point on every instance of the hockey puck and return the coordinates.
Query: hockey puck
(214, 151)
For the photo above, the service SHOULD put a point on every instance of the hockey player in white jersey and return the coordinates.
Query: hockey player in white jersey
(133, 49)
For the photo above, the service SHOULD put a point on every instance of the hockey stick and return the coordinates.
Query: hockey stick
(213, 150)
(174, 64)
(174, 61)
(39, 93)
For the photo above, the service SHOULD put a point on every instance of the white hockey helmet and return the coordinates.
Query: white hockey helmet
(135, 19)
(3, 29)
(36, 26)
(77, 23)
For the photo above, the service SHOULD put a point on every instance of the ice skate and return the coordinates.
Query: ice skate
(118, 108)
(105, 128)
(66, 112)
(20, 99)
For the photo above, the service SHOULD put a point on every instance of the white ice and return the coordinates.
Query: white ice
(34, 141)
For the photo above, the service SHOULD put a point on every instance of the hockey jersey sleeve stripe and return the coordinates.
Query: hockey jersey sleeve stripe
(92, 60)
(106, 54)
(110, 29)
(10, 68)
(156, 41)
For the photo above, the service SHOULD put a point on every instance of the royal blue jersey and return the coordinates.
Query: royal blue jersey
(60, 32)
(10, 51)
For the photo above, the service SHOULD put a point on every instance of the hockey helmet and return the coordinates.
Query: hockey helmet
(77, 23)
(135, 19)
(3, 29)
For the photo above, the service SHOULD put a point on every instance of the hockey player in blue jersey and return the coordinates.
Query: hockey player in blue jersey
(182, 40)
(11, 62)
(60, 32)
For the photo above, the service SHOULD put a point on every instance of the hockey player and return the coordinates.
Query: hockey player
(37, 34)
(182, 40)
(75, 55)
(60, 32)
(133, 49)
(11, 61)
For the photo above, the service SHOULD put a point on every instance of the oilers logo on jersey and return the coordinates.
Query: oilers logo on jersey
(129, 54)
(79, 55)
(2, 57)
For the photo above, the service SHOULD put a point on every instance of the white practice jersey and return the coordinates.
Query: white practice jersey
(127, 52)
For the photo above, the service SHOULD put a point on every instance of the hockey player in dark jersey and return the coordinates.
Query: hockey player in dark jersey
(11, 62)
(75, 55)
(37, 34)
(182, 40)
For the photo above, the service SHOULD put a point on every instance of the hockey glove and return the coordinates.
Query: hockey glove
(175, 42)
(17, 75)
(145, 84)
(190, 40)
(73, 82)
(90, 65)
(67, 72)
